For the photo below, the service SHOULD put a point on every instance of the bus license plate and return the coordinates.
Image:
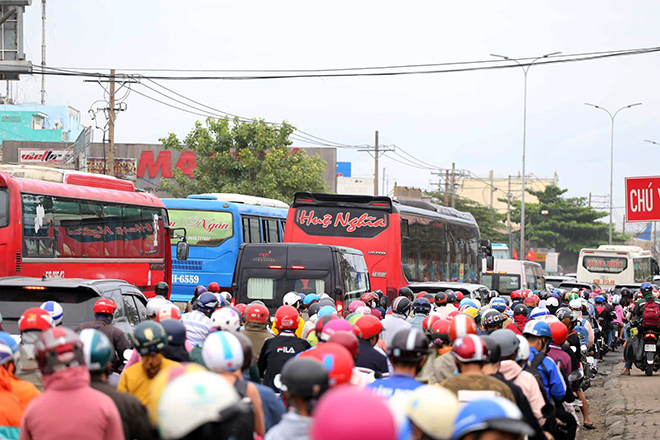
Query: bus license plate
(650, 347)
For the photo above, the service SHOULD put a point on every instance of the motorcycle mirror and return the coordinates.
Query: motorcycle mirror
(576, 376)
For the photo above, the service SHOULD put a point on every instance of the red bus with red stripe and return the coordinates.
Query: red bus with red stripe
(65, 224)
(402, 240)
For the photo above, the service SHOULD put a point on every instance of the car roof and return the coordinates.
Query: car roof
(447, 285)
(59, 282)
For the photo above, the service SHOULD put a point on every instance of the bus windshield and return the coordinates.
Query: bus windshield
(203, 228)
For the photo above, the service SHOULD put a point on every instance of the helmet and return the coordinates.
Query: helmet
(462, 325)
(494, 350)
(552, 302)
(537, 328)
(154, 304)
(327, 301)
(470, 348)
(570, 296)
(538, 312)
(515, 295)
(427, 323)
(162, 289)
(401, 305)
(291, 299)
(304, 377)
(226, 296)
(493, 413)
(459, 295)
(408, 345)
(335, 358)
(311, 298)
(97, 349)
(520, 309)
(364, 310)
(467, 302)
(549, 318)
(168, 311)
(334, 325)
(492, 318)
(313, 309)
(327, 310)
(222, 352)
(559, 332)
(440, 299)
(198, 291)
(58, 348)
(367, 327)
(368, 298)
(193, 400)
(507, 341)
(55, 310)
(493, 294)
(531, 301)
(227, 319)
(523, 350)
(8, 348)
(175, 331)
(105, 306)
(451, 297)
(422, 406)
(599, 299)
(347, 340)
(213, 287)
(149, 337)
(575, 304)
(241, 309)
(35, 318)
(471, 311)
(616, 299)
(348, 405)
(440, 330)
(353, 306)
(498, 304)
(256, 313)
(563, 313)
(406, 292)
(421, 305)
(207, 302)
(646, 288)
(286, 318)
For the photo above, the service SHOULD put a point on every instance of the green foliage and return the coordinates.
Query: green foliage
(491, 223)
(246, 158)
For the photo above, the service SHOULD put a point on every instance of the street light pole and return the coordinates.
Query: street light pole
(612, 117)
(525, 68)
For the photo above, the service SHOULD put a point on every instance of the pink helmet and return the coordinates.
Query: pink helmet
(354, 305)
(336, 325)
(364, 310)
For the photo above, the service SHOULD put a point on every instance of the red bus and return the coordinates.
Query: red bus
(402, 241)
(81, 225)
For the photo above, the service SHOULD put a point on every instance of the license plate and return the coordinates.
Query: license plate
(650, 347)
(590, 359)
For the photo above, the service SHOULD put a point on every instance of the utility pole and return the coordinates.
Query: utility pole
(384, 183)
(446, 187)
(590, 200)
(492, 190)
(110, 168)
(43, 52)
(376, 165)
(508, 215)
(453, 184)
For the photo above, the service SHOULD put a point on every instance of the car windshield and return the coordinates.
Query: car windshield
(76, 302)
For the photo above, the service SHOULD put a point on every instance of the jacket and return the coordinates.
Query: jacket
(444, 367)
(273, 406)
(417, 321)
(310, 324)
(558, 355)
(134, 417)
(12, 408)
(299, 330)
(292, 427)
(527, 382)
(197, 325)
(257, 334)
(27, 368)
(136, 382)
(68, 396)
(369, 357)
(468, 387)
(396, 385)
(551, 377)
(274, 354)
(523, 404)
(391, 325)
(116, 336)
(23, 389)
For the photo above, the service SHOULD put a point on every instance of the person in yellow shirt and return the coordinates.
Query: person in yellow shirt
(149, 338)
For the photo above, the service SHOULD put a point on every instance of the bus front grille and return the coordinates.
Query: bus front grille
(187, 265)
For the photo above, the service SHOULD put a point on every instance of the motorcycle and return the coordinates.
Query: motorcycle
(650, 362)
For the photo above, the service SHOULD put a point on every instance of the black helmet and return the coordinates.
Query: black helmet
(422, 305)
(176, 331)
(162, 288)
(313, 309)
(451, 297)
(149, 337)
(409, 345)
(627, 293)
(543, 294)
(407, 292)
(401, 305)
(492, 318)
(493, 294)
(326, 302)
(494, 349)
(520, 309)
(207, 302)
(305, 378)
(564, 312)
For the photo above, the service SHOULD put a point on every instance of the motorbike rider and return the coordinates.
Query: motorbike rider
(368, 329)
(198, 322)
(421, 308)
(492, 417)
(604, 314)
(396, 322)
(407, 292)
(646, 316)
(444, 366)
(520, 312)
(292, 299)
(421, 411)
(56, 311)
(9, 351)
(31, 323)
(256, 326)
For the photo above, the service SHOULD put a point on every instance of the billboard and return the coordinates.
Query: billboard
(124, 167)
(41, 156)
(643, 199)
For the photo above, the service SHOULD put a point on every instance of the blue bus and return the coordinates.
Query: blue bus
(216, 226)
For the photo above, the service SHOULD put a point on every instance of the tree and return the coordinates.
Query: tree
(489, 220)
(246, 158)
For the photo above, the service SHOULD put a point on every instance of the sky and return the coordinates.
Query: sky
(472, 118)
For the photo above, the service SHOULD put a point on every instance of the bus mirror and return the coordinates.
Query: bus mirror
(182, 250)
(490, 263)
(486, 247)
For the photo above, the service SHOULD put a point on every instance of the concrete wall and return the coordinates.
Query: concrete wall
(479, 190)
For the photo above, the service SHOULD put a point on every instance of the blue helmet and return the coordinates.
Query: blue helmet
(537, 328)
(495, 413)
(421, 305)
(326, 310)
(8, 348)
(207, 302)
(310, 298)
(646, 288)
(538, 312)
(467, 301)
(498, 304)
(599, 299)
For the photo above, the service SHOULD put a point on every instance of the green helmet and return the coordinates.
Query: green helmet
(149, 337)
(97, 349)
(572, 296)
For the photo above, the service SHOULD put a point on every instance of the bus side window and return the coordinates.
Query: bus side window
(4, 207)
(38, 231)
(93, 228)
(114, 244)
(153, 232)
(271, 231)
(131, 232)
(251, 232)
(66, 214)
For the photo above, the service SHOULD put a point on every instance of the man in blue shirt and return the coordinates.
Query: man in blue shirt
(538, 335)
(407, 352)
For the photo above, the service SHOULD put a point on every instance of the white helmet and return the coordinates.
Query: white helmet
(192, 400)
(291, 299)
(523, 349)
(227, 319)
(422, 406)
(55, 310)
(154, 304)
(222, 352)
(227, 296)
(616, 299)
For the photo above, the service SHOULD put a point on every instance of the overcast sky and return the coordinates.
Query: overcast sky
(473, 119)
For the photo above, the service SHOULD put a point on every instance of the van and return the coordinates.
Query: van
(509, 275)
(266, 272)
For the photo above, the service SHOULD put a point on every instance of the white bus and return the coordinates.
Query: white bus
(611, 265)
(501, 251)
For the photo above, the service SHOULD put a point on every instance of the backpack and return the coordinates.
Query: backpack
(242, 425)
(651, 314)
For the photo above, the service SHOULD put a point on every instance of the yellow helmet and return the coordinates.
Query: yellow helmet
(422, 410)
(473, 312)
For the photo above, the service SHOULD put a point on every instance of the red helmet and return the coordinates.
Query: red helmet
(241, 309)
(58, 348)
(347, 340)
(421, 294)
(559, 332)
(105, 305)
(515, 295)
(526, 293)
(427, 323)
(333, 356)
(440, 329)
(470, 348)
(168, 311)
(256, 313)
(334, 325)
(286, 318)
(462, 325)
(214, 287)
(367, 327)
(530, 301)
(369, 296)
(35, 318)
(459, 295)
(452, 314)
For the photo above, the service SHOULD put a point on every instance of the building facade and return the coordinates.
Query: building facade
(39, 123)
